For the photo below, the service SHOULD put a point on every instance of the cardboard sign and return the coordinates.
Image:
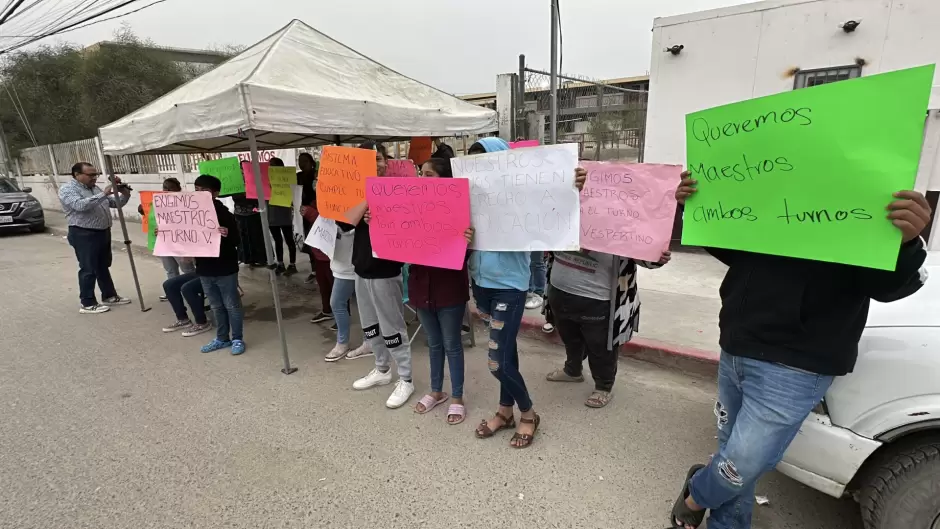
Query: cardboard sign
(419, 221)
(808, 173)
(187, 225)
(228, 171)
(628, 209)
(420, 149)
(146, 201)
(322, 235)
(521, 144)
(281, 179)
(341, 180)
(523, 200)
(401, 169)
(251, 189)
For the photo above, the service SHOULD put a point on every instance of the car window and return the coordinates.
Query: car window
(6, 186)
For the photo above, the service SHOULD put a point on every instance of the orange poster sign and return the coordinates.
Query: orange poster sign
(341, 182)
(420, 150)
(146, 202)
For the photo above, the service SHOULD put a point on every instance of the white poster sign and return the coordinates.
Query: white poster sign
(322, 236)
(523, 199)
(298, 219)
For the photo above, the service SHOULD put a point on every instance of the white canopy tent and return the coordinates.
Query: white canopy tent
(296, 88)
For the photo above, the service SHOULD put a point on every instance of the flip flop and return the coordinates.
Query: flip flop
(430, 403)
(681, 511)
(459, 410)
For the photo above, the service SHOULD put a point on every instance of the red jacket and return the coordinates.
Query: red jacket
(437, 288)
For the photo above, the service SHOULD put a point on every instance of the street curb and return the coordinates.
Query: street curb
(685, 359)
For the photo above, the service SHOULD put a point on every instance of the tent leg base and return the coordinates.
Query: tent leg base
(146, 309)
(289, 371)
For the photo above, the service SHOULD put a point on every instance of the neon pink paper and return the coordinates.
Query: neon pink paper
(401, 169)
(251, 191)
(419, 221)
(628, 209)
(523, 144)
(187, 225)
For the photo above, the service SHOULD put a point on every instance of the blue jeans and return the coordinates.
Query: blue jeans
(186, 287)
(537, 273)
(760, 409)
(222, 293)
(442, 327)
(503, 310)
(339, 302)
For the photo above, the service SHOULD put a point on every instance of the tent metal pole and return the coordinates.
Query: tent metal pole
(109, 168)
(269, 249)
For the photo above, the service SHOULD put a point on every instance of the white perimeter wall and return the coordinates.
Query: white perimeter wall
(747, 51)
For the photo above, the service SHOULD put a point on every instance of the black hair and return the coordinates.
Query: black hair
(276, 162)
(444, 151)
(476, 148)
(374, 146)
(441, 166)
(175, 183)
(306, 155)
(208, 182)
(79, 168)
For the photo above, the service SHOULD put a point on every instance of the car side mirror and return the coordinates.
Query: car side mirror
(27, 190)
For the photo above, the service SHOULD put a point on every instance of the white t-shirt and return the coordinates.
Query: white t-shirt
(341, 264)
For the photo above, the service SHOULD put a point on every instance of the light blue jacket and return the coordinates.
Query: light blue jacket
(499, 270)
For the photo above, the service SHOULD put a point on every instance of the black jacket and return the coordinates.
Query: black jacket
(367, 266)
(806, 314)
(226, 263)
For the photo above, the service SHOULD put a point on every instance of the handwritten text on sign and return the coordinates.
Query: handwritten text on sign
(808, 173)
(523, 200)
(281, 179)
(628, 209)
(228, 171)
(419, 221)
(341, 181)
(187, 225)
(322, 236)
(251, 187)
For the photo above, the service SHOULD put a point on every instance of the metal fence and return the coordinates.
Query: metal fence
(608, 122)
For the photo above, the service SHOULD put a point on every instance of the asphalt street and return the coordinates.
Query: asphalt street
(106, 422)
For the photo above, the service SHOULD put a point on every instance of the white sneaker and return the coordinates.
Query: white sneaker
(403, 392)
(534, 301)
(116, 300)
(97, 308)
(374, 378)
(362, 351)
(337, 353)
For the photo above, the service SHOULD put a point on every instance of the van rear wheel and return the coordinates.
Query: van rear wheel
(903, 490)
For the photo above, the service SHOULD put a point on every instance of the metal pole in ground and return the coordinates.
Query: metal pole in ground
(269, 249)
(109, 169)
(553, 78)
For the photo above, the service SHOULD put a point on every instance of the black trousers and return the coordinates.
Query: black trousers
(93, 251)
(307, 249)
(251, 250)
(281, 235)
(583, 325)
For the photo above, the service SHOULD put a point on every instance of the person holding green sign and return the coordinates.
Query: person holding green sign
(788, 327)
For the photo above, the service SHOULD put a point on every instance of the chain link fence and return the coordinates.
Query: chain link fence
(606, 119)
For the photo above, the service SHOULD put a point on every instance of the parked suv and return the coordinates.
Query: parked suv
(19, 209)
(876, 435)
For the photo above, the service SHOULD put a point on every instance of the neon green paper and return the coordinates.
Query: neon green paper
(151, 230)
(229, 171)
(808, 173)
(281, 178)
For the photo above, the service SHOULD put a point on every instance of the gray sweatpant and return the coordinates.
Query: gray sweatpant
(382, 315)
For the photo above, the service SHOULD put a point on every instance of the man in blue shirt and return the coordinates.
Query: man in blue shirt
(87, 209)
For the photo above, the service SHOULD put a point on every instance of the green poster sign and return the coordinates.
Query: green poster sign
(808, 173)
(151, 230)
(229, 171)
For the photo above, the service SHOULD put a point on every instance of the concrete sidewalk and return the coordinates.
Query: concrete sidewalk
(679, 317)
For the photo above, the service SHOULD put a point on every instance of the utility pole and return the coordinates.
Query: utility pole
(553, 78)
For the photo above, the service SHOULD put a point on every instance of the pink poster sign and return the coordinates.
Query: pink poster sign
(187, 225)
(401, 169)
(251, 190)
(521, 144)
(419, 221)
(628, 209)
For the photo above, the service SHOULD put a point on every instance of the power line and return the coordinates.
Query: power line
(9, 12)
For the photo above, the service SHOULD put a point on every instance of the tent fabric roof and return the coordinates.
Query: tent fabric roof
(296, 88)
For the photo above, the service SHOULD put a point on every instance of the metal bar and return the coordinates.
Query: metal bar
(598, 140)
(522, 130)
(269, 249)
(553, 77)
(605, 85)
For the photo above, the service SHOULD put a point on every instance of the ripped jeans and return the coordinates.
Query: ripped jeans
(760, 409)
(502, 309)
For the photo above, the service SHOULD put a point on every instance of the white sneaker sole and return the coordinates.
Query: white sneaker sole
(363, 355)
(83, 311)
(190, 334)
(373, 385)
(334, 358)
(393, 406)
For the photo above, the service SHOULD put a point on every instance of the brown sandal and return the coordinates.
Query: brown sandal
(526, 439)
(483, 431)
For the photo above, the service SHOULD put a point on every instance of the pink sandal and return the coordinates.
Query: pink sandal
(459, 410)
(430, 403)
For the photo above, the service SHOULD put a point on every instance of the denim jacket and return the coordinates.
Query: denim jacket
(500, 270)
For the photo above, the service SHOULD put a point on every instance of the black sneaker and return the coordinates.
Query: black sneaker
(291, 270)
(321, 317)
(280, 269)
(333, 327)
(311, 277)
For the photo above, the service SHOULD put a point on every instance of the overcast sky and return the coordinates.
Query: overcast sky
(456, 45)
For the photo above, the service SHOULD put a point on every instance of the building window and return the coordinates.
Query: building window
(808, 78)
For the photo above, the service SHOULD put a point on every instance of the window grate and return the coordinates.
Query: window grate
(808, 78)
